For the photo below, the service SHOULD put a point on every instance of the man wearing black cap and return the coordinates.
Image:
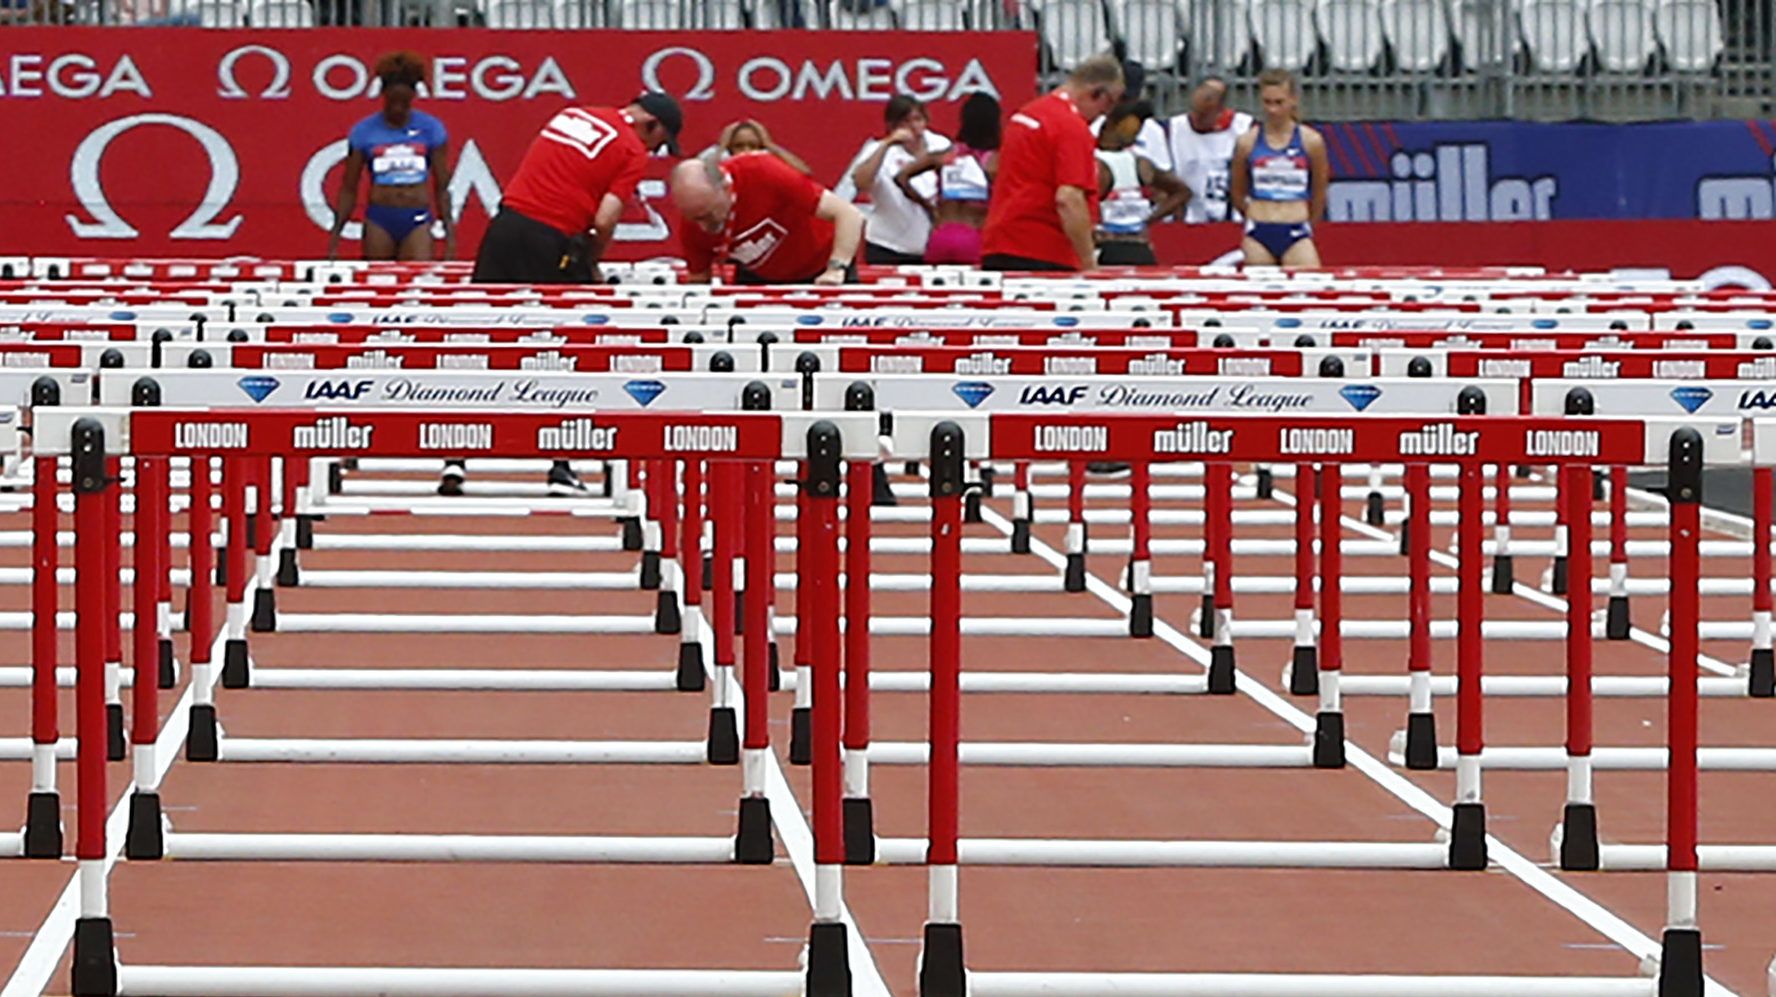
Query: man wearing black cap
(558, 212)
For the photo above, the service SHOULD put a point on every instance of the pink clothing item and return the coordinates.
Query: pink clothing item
(953, 242)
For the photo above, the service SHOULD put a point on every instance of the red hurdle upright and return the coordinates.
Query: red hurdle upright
(1763, 658)
(690, 646)
(829, 970)
(43, 809)
(201, 743)
(941, 965)
(1616, 620)
(860, 480)
(1680, 968)
(1421, 723)
(1218, 479)
(753, 842)
(1328, 742)
(94, 969)
(725, 511)
(1304, 670)
(115, 740)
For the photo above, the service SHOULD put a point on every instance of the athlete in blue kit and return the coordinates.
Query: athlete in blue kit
(1280, 175)
(404, 148)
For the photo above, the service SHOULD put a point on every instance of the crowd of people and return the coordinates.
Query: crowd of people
(1070, 181)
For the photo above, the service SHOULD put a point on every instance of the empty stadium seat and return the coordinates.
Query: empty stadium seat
(1150, 30)
(1689, 32)
(1486, 38)
(1418, 31)
(656, 15)
(1554, 31)
(1220, 31)
(579, 14)
(211, 13)
(1073, 30)
(874, 17)
(1284, 31)
(1622, 33)
(1352, 32)
(519, 14)
(932, 15)
(281, 14)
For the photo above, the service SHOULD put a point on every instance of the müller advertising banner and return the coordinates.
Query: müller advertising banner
(177, 142)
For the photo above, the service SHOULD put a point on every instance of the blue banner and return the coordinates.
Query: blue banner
(1519, 171)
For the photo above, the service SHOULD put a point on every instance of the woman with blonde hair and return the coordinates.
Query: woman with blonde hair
(1280, 174)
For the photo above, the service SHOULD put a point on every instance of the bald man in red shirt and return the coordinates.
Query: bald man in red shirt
(1046, 192)
(772, 222)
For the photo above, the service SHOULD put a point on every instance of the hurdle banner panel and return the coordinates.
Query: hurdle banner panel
(546, 357)
(1206, 395)
(1661, 397)
(1072, 361)
(537, 316)
(1522, 340)
(455, 389)
(1309, 322)
(934, 318)
(541, 331)
(16, 383)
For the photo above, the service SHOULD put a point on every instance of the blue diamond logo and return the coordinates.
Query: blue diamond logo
(973, 392)
(1066, 321)
(258, 388)
(1691, 399)
(644, 392)
(594, 319)
(1759, 323)
(123, 316)
(809, 320)
(1360, 396)
(1288, 323)
(340, 318)
(1545, 323)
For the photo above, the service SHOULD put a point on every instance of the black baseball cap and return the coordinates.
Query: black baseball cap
(664, 108)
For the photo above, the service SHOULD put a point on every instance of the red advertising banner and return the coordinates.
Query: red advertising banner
(180, 142)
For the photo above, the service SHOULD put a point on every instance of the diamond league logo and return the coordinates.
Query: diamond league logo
(258, 388)
(973, 392)
(1360, 396)
(644, 392)
(1691, 399)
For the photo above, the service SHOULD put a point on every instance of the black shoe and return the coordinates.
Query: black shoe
(451, 482)
(563, 481)
(1108, 468)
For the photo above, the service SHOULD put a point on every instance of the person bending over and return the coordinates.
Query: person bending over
(404, 148)
(773, 224)
(1280, 173)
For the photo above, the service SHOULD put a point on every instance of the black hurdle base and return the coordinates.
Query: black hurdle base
(724, 736)
(169, 665)
(776, 669)
(1374, 510)
(1141, 616)
(1578, 838)
(264, 611)
(116, 748)
(631, 533)
(1266, 484)
(667, 619)
(690, 676)
(1221, 668)
(201, 742)
(289, 572)
(1680, 963)
(1304, 671)
(753, 844)
(1328, 742)
(1020, 536)
(43, 826)
(1616, 622)
(305, 532)
(881, 490)
(1074, 579)
(801, 736)
(1205, 624)
(860, 830)
(144, 840)
(829, 961)
(708, 572)
(1504, 574)
(1557, 578)
(1421, 741)
(1467, 837)
(95, 958)
(1763, 673)
(234, 664)
(971, 506)
(941, 970)
(650, 570)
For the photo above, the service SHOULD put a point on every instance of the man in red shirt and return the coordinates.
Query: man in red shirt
(773, 223)
(1046, 191)
(573, 181)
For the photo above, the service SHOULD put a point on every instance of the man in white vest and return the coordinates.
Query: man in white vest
(1202, 149)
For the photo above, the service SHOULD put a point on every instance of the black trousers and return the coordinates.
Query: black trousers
(1125, 253)
(882, 256)
(1006, 261)
(521, 250)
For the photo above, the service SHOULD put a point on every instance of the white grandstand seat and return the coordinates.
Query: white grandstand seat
(1419, 32)
(1622, 32)
(519, 14)
(1690, 33)
(1150, 29)
(932, 15)
(1554, 32)
(1352, 32)
(1486, 37)
(281, 14)
(1073, 30)
(1001, 15)
(212, 13)
(579, 14)
(657, 15)
(1220, 31)
(1284, 31)
(874, 17)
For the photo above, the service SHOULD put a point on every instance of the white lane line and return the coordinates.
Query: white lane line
(1595, 915)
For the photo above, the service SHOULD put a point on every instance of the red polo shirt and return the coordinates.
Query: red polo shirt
(771, 230)
(582, 154)
(1047, 146)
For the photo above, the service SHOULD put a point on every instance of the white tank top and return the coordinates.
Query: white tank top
(1125, 210)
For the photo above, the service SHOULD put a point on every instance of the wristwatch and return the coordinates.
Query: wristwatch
(836, 264)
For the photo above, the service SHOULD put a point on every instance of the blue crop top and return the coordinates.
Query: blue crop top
(1280, 174)
(398, 157)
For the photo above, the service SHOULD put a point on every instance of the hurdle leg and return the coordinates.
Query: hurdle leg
(94, 969)
(1073, 579)
(289, 567)
(942, 971)
(668, 618)
(1140, 575)
(1421, 723)
(724, 726)
(234, 503)
(1558, 570)
(648, 498)
(1328, 741)
(1205, 624)
(1762, 681)
(163, 620)
(690, 645)
(1680, 965)
(143, 839)
(859, 812)
(801, 747)
(43, 809)
(264, 619)
(829, 966)
(1219, 480)
(1467, 834)
(1374, 508)
(1616, 620)
(1304, 669)
(753, 842)
(626, 489)
(1504, 573)
(1578, 825)
(116, 743)
(1022, 507)
(201, 743)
